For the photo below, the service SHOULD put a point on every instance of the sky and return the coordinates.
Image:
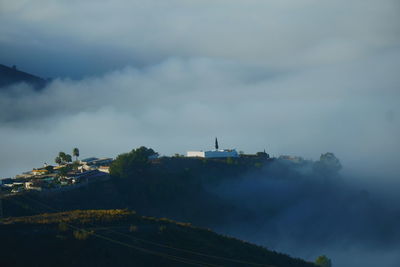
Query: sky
(300, 78)
(292, 77)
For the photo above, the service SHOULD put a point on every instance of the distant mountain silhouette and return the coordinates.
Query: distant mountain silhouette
(10, 76)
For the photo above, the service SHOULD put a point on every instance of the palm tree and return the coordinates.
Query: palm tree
(58, 160)
(62, 155)
(68, 158)
(75, 153)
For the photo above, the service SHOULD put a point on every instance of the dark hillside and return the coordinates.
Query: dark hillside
(170, 187)
(245, 197)
(122, 238)
(10, 76)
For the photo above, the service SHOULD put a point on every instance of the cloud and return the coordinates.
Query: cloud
(279, 34)
(288, 208)
(181, 104)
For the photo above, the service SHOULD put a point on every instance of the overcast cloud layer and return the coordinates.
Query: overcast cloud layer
(301, 77)
(76, 38)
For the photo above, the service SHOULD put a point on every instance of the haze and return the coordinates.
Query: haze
(295, 78)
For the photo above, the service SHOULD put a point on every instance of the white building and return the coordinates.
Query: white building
(216, 153)
(220, 153)
(104, 169)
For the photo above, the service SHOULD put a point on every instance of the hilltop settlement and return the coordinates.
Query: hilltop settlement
(65, 176)
(68, 174)
(69, 205)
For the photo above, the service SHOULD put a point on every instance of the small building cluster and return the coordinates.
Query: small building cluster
(59, 178)
(293, 159)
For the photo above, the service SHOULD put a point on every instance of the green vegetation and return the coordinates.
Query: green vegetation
(132, 164)
(49, 168)
(75, 153)
(327, 164)
(72, 217)
(166, 187)
(323, 261)
(82, 234)
(230, 161)
(63, 158)
(58, 160)
(121, 238)
(173, 187)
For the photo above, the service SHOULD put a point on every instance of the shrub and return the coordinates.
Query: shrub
(62, 226)
(82, 234)
(323, 261)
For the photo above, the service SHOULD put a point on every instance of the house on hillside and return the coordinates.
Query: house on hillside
(105, 169)
(293, 159)
(96, 161)
(90, 176)
(88, 161)
(5, 181)
(33, 185)
(40, 171)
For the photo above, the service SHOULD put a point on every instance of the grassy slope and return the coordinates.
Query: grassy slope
(121, 238)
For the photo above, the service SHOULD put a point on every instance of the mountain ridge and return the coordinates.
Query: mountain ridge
(11, 75)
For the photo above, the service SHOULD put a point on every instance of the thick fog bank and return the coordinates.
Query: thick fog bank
(306, 214)
(179, 105)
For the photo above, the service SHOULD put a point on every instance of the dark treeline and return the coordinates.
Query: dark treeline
(174, 187)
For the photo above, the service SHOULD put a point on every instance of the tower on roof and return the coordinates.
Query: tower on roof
(216, 143)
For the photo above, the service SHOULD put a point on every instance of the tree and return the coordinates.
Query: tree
(262, 154)
(330, 160)
(75, 153)
(323, 261)
(75, 165)
(58, 160)
(63, 172)
(68, 158)
(61, 155)
(132, 163)
(328, 164)
(64, 157)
